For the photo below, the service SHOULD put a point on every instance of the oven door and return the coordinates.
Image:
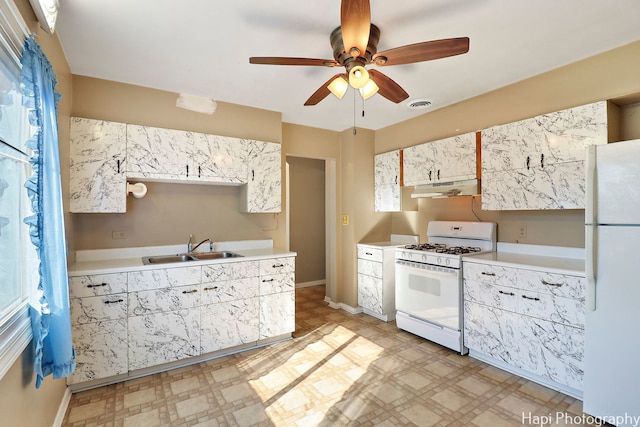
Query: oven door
(429, 292)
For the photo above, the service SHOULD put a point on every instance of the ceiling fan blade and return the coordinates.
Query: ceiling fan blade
(355, 21)
(322, 92)
(425, 51)
(275, 60)
(387, 87)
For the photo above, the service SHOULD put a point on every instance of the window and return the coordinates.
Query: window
(18, 257)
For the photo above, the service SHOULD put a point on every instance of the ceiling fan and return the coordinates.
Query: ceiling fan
(354, 45)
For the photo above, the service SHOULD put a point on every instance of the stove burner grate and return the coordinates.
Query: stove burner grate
(441, 248)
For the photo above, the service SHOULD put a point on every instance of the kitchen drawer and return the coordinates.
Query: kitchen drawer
(552, 308)
(370, 268)
(277, 283)
(162, 300)
(163, 278)
(229, 290)
(97, 284)
(369, 253)
(214, 273)
(496, 296)
(489, 274)
(97, 309)
(277, 265)
(551, 283)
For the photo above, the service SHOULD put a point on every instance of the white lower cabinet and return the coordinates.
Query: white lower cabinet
(529, 319)
(277, 297)
(127, 321)
(99, 326)
(376, 281)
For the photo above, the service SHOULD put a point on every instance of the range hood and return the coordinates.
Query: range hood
(468, 187)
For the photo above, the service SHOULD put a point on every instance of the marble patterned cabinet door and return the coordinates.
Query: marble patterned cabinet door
(97, 181)
(277, 297)
(262, 193)
(158, 154)
(220, 158)
(538, 163)
(388, 196)
(440, 161)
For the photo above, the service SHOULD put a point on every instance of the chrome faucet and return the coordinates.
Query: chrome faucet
(191, 248)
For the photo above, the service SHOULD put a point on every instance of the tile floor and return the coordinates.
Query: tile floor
(338, 370)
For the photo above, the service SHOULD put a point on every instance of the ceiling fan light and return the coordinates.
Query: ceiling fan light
(358, 77)
(338, 87)
(370, 89)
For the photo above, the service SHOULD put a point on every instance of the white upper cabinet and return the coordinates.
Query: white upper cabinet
(97, 181)
(262, 193)
(158, 154)
(219, 158)
(450, 159)
(387, 182)
(538, 163)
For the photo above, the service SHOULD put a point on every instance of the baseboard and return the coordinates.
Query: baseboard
(62, 409)
(312, 283)
(343, 306)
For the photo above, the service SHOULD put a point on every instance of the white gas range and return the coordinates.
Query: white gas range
(429, 279)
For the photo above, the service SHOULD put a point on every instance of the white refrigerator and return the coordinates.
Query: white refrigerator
(612, 331)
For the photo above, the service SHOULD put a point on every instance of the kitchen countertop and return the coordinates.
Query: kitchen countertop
(555, 259)
(101, 261)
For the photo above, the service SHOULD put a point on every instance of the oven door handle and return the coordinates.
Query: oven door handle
(435, 271)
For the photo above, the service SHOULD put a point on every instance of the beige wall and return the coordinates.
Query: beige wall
(307, 218)
(22, 405)
(170, 212)
(611, 75)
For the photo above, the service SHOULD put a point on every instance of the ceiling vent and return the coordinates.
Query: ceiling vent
(418, 104)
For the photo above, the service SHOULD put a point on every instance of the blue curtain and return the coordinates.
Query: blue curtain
(50, 318)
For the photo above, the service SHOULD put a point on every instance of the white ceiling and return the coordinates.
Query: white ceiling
(202, 47)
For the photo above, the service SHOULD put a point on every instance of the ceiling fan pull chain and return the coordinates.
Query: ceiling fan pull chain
(355, 132)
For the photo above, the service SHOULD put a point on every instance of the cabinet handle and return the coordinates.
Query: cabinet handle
(267, 280)
(484, 273)
(438, 174)
(278, 265)
(368, 253)
(396, 179)
(118, 163)
(528, 161)
(532, 299)
(507, 293)
(211, 289)
(114, 302)
(193, 291)
(542, 160)
(199, 171)
(544, 282)
(253, 175)
(429, 175)
(187, 171)
(96, 286)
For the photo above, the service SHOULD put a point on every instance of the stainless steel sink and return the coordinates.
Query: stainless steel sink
(195, 256)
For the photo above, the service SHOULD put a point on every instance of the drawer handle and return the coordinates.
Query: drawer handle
(484, 273)
(278, 265)
(193, 291)
(557, 285)
(96, 286)
(267, 280)
(533, 299)
(368, 253)
(211, 289)
(507, 293)
(114, 302)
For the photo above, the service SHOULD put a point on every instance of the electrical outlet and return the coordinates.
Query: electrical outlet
(522, 231)
(345, 219)
(118, 234)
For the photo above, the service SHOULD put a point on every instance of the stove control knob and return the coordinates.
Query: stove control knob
(424, 258)
(439, 260)
(447, 261)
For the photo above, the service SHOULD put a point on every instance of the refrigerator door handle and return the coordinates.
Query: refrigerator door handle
(591, 196)
(591, 254)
